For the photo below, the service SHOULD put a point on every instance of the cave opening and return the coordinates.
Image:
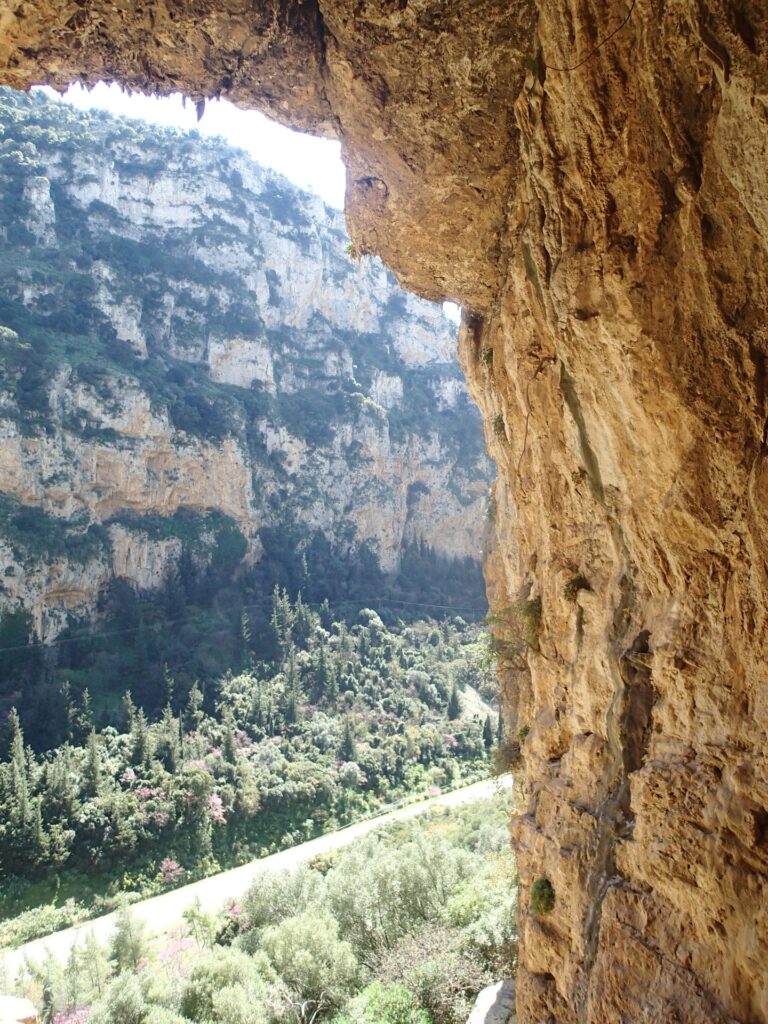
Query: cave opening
(241, 518)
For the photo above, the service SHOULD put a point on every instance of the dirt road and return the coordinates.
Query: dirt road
(161, 913)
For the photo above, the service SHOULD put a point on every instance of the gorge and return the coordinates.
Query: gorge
(587, 180)
(206, 356)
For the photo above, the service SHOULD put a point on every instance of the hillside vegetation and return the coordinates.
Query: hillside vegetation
(339, 722)
(404, 927)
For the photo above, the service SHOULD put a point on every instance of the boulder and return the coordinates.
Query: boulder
(495, 1004)
(17, 1011)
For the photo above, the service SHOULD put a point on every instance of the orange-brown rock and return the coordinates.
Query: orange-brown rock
(601, 210)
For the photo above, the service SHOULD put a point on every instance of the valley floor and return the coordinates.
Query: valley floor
(161, 913)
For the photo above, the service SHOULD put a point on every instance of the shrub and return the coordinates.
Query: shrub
(507, 757)
(444, 976)
(274, 896)
(228, 977)
(573, 586)
(384, 1004)
(542, 896)
(317, 967)
(516, 631)
(122, 1003)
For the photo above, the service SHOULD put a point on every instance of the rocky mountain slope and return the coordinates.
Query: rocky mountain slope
(189, 351)
(588, 179)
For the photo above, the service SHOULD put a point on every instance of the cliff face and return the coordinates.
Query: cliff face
(186, 333)
(601, 210)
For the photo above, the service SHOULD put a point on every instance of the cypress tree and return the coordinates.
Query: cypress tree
(82, 719)
(129, 711)
(194, 707)
(168, 740)
(454, 704)
(348, 749)
(229, 740)
(92, 765)
(141, 747)
(487, 733)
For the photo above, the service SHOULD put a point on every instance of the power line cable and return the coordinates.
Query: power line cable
(387, 602)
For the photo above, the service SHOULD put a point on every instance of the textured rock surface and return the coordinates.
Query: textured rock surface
(607, 226)
(494, 1004)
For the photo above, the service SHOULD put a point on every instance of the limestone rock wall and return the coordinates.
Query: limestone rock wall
(604, 221)
(204, 341)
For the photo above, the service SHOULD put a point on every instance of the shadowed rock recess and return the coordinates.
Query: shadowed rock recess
(605, 228)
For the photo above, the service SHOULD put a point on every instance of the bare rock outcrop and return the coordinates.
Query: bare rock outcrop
(600, 208)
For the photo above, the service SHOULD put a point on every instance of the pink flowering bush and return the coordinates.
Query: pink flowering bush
(216, 809)
(74, 1015)
(170, 871)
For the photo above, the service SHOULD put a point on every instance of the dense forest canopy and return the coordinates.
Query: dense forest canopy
(338, 722)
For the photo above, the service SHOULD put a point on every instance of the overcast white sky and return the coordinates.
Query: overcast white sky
(311, 163)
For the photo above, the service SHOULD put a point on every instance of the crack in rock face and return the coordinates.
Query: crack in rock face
(606, 230)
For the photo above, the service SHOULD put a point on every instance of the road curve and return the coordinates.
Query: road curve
(161, 913)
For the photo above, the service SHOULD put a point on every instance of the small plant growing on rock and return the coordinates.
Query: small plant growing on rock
(488, 356)
(573, 586)
(507, 757)
(498, 427)
(516, 631)
(353, 251)
(542, 896)
(523, 732)
(490, 510)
